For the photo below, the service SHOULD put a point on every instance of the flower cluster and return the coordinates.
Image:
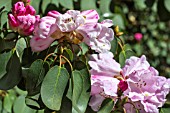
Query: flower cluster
(75, 27)
(137, 80)
(23, 19)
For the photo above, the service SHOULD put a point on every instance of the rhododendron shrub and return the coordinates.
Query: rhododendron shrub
(72, 62)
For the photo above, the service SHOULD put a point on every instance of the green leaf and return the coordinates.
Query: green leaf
(106, 106)
(20, 106)
(67, 3)
(20, 46)
(125, 55)
(8, 101)
(6, 3)
(163, 13)
(88, 4)
(79, 65)
(167, 4)
(70, 53)
(45, 4)
(13, 75)
(4, 17)
(165, 110)
(53, 87)
(84, 49)
(33, 101)
(118, 20)
(114, 46)
(6, 45)
(0, 105)
(122, 58)
(140, 4)
(56, 2)
(80, 96)
(66, 106)
(3, 63)
(35, 77)
(36, 5)
(77, 85)
(105, 6)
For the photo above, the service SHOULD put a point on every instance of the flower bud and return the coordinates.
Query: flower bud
(123, 85)
(30, 10)
(18, 9)
(138, 36)
(12, 22)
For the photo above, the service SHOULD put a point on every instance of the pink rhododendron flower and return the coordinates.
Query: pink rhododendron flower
(26, 24)
(104, 64)
(67, 22)
(41, 41)
(103, 83)
(38, 44)
(144, 84)
(138, 36)
(18, 9)
(73, 19)
(22, 19)
(91, 16)
(96, 101)
(98, 36)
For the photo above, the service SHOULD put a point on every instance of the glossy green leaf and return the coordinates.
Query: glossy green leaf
(9, 100)
(53, 87)
(125, 55)
(67, 3)
(20, 46)
(3, 18)
(114, 45)
(13, 75)
(118, 20)
(106, 106)
(122, 58)
(80, 96)
(163, 13)
(66, 106)
(56, 2)
(6, 45)
(45, 4)
(140, 4)
(6, 3)
(35, 77)
(77, 85)
(3, 63)
(167, 4)
(105, 6)
(70, 53)
(33, 101)
(165, 110)
(84, 49)
(88, 4)
(36, 5)
(0, 105)
(79, 65)
(20, 106)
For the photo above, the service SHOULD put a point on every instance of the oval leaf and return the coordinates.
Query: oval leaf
(106, 106)
(53, 87)
(3, 63)
(35, 77)
(13, 75)
(67, 3)
(20, 106)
